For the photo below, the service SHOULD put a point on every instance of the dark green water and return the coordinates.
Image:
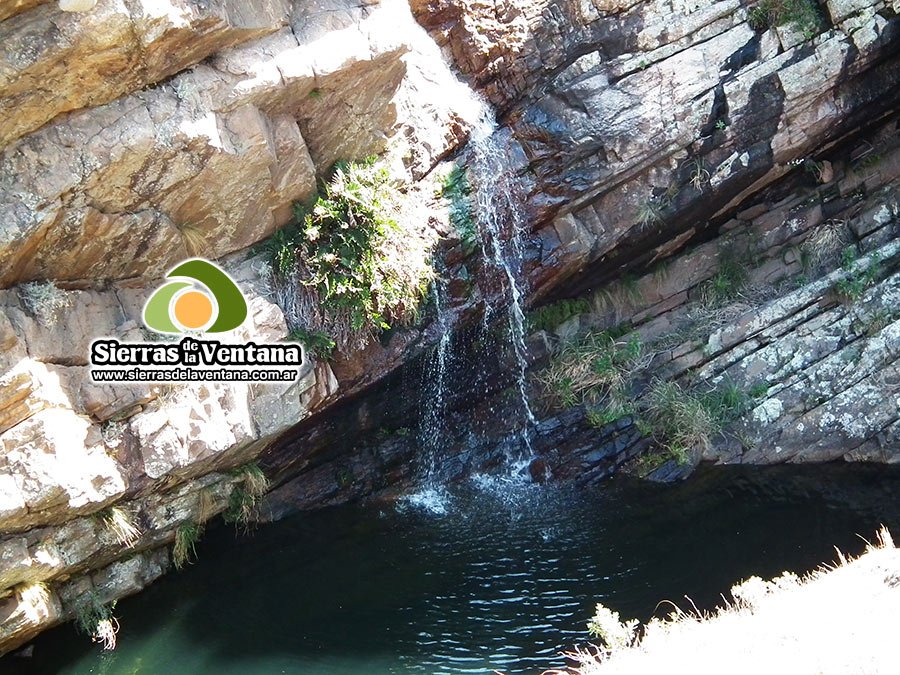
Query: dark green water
(505, 580)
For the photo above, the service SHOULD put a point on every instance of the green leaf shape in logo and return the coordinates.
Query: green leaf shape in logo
(232, 306)
(156, 311)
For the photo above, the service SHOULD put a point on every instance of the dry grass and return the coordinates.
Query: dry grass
(193, 238)
(44, 301)
(255, 481)
(839, 620)
(243, 504)
(105, 633)
(95, 618)
(621, 297)
(699, 175)
(120, 522)
(824, 244)
(206, 505)
(592, 368)
(34, 600)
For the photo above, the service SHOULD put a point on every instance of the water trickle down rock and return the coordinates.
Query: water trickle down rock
(497, 206)
(433, 404)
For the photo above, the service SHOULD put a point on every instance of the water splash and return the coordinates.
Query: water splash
(498, 210)
(433, 500)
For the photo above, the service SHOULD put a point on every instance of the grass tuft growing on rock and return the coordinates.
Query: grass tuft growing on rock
(699, 175)
(803, 15)
(681, 420)
(244, 500)
(823, 245)
(95, 618)
(650, 212)
(193, 238)
(619, 296)
(593, 369)
(120, 523)
(616, 407)
(206, 505)
(44, 301)
(34, 600)
(550, 316)
(857, 279)
(185, 549)
(726, 284)
(872, 323)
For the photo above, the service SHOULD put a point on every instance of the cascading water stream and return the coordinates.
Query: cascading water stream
(497, 210)
(434, 391)
(497, 206)
(432, 495)
(497, 201)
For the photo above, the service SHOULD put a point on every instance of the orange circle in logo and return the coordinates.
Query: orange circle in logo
(193, 309)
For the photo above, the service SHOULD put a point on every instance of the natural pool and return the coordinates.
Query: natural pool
(505, 580)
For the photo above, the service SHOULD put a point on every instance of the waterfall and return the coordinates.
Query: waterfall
(433, 406)
(431, 495)
(498, 211)
(497, 201)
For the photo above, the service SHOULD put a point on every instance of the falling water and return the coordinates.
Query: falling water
(434, 390)
(497, 207)
(432, 496)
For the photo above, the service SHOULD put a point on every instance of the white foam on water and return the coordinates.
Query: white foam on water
(432, 500)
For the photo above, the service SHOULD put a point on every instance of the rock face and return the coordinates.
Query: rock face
(71, 448)
(209, 161)
(772, 308)
(618, 106)
(809, 322)
(92, 57)
(134, 134)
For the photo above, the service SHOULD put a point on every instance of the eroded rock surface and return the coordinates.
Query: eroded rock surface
(210, 161)
(811, 331)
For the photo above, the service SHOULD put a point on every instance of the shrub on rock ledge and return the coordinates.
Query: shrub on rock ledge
(359, 267)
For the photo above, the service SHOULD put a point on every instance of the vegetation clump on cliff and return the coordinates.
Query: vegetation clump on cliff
(857, 279)
(606, 372)
(681, 420)
(185, 549)
(550, 316)
(95, 618)
(121, 524)
(43, 300)
(357, 266)
(244, 500)
(594, 370)
(803, 15)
